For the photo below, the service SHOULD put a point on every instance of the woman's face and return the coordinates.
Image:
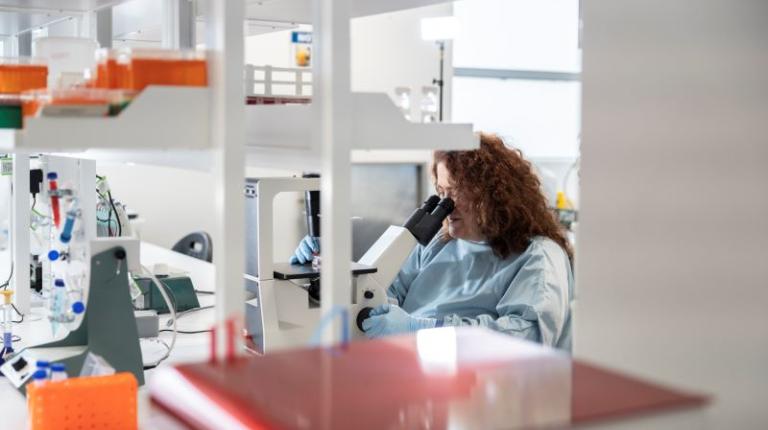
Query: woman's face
(462, 223)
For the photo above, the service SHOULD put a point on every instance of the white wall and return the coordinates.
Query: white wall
(672, 266)
(518, 35)
(387, 51)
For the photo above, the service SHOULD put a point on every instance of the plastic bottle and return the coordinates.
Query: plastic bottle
(78, 307)
(58, 305)
(7, 314)
(403, 95)
(44, 366)
(40, 377)
(428, 104)
(58, 372)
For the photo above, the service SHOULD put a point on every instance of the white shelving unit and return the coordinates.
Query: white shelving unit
(212, 129)
(176, 126)
(376, 124)
(159, 118)
(300, 11)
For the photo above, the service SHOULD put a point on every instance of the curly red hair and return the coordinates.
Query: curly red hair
(501, 188)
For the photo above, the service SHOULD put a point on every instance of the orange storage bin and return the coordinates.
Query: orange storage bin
(22, 74)
(98, 402)
(163, 67)
(109, 73)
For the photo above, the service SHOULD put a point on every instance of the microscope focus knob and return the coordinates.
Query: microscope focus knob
(368, 294)
(362, 316)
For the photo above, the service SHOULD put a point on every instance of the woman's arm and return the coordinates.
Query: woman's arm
(535, 305)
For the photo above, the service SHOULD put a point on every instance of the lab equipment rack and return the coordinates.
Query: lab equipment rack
(213, 129)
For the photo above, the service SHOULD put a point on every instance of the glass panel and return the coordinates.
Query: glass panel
(540, 117)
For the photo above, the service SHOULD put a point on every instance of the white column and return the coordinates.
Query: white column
(20, 230)
(24, 44)
(170, 28)
(87, 185)
(101, 26)
(672, 276)
(178, 24)
(225, 42)
(332, 101)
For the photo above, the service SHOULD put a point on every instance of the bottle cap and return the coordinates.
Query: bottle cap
(40, 375)
(7, 296)
(53, 255)
(78, 307)
(65, 238)
(58, 282)
(42, 363)
(58, 367)
(52, 175)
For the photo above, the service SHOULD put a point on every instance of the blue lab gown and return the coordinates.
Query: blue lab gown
(459, 282)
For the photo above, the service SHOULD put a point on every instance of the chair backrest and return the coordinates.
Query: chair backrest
(197, 244)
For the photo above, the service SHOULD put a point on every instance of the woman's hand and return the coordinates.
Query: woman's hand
(304, 252)
(389, 319)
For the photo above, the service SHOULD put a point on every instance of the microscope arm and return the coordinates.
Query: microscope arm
(387, 255)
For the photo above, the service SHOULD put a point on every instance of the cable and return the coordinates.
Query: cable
(117, 216)
(105, 201)
(187, 312)
(171, 307)
(168, 351)
(19, 313)
(186, 332)
(7, 282)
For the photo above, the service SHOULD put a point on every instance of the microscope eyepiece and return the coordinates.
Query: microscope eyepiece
(426, 208)
(431, 203)
(446, 205)
(427, 226)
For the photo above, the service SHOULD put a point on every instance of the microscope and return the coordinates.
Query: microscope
(283, 300)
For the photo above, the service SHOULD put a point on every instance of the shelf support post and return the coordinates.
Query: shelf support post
(225, 41)
(332, 101)
(20, 227)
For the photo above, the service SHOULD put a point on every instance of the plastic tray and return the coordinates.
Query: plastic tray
(100, 402)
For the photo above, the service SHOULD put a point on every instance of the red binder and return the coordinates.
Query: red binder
(436, 378)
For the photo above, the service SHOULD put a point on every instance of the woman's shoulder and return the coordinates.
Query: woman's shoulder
(545, 247)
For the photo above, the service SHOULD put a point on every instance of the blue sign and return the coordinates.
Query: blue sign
(301, 37)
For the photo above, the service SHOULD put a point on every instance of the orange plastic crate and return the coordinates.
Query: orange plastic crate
(162, 67)
(15, 78)
(153, 71)
(99, 402)
(110, 73)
